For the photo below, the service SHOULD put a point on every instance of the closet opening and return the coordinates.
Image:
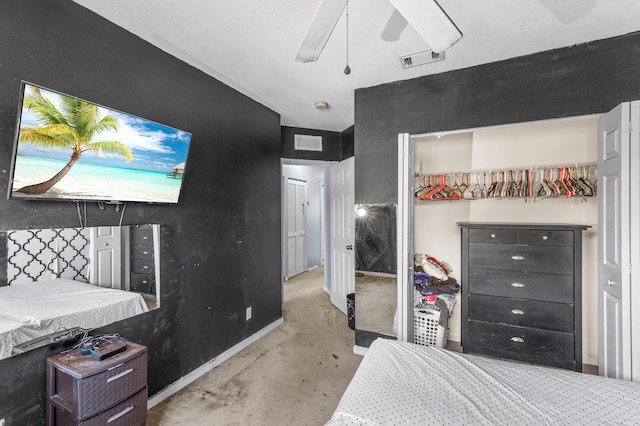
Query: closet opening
(534, 172)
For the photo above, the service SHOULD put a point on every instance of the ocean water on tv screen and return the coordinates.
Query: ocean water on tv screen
(87, 181)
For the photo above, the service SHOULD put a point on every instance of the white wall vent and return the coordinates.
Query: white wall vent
(421, 58)
(307, 143)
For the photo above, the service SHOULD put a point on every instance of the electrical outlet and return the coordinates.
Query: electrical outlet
(248, 318)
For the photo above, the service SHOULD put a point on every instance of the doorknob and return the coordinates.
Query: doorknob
(349, 247)
(611, 282)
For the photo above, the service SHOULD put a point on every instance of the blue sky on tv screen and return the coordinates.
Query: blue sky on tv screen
(154, 147)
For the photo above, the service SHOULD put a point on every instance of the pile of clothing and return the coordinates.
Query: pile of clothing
(431, 277)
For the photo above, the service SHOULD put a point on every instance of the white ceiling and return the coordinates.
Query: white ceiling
(251, 45)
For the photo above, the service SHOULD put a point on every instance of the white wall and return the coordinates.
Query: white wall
(543, 143)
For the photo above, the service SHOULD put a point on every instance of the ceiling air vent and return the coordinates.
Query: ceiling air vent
(420, 58)
(307, 143)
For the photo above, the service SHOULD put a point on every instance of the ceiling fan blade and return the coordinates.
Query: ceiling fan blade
(430, 22)
(394, 28)
(321, 27)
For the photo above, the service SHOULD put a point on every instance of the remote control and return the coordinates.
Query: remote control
(105, 351)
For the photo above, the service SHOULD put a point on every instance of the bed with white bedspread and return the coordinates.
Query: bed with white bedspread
(36, 309)
(401, 383)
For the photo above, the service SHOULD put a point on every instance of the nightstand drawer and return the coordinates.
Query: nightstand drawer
(516, 257)
(545, 287)
(493, 236)
(524, 313)
(132, 412)
(522, 344)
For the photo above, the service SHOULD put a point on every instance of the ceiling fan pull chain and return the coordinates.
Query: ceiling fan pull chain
(347, 70)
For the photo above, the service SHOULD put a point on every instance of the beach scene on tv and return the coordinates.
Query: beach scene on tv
(76, 150)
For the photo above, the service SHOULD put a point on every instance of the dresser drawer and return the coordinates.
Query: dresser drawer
(545, 347)
(100, 391)
(493, 236)
(142, 252)
(142, 266)
(524, 313)
(545, 287)
(546, 237)
(144, 283)
(524, 258)
(142, 236)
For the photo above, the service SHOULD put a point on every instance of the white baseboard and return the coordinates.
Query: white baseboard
(360, 350)
(313, 267)
(184, 381)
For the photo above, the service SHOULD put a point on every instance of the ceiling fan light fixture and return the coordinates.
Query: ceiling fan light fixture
(430, 22)
(322, 105)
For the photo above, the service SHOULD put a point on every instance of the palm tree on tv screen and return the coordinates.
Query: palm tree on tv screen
(72, 127)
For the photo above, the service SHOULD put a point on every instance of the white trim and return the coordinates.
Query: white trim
(312, 268)
(360, 350)
(186, 380)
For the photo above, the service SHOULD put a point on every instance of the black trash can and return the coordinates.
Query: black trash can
(351, 310)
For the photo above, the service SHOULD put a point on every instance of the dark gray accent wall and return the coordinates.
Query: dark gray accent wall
(336, 146)
(220, 249)
(585, 79)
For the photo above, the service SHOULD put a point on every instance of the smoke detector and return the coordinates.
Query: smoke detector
(420, 58)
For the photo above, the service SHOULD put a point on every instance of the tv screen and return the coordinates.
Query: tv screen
(70, 149)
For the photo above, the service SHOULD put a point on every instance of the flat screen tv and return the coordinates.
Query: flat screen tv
(71, 149)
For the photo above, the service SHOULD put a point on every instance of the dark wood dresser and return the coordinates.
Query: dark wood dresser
(84, 391)
(521, 292)
(143, 278)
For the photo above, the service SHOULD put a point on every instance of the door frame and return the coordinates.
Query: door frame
(283, 224)
(405, 222)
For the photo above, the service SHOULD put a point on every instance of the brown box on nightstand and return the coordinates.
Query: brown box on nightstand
(84, 391)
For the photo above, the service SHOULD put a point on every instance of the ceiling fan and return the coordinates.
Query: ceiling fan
(425, 16)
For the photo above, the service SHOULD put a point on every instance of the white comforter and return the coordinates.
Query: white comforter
(400, 383)
(32, 310)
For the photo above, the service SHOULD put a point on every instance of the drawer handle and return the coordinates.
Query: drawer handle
(115, 366)
(493, 235)
(517, 257)
(545, 237)
(517, 285)
(120, 414)
(145, 252)
(517, 312)
(119, 376)
(517, 339)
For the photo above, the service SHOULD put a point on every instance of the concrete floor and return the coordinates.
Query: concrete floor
(295, 375)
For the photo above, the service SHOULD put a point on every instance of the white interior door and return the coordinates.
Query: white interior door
(614, 279)
(297, 227)
(342, 233)
(105, 244)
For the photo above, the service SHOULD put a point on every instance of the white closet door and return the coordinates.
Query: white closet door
(297, 227)
(617, 240)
